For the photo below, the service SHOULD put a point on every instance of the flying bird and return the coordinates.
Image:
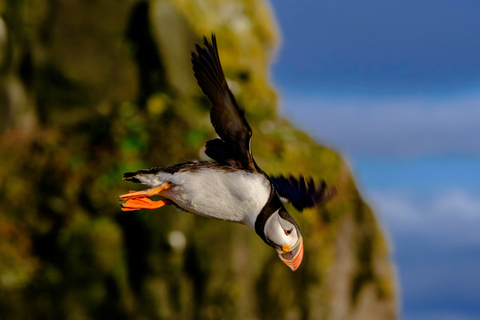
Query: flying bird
(233, 188)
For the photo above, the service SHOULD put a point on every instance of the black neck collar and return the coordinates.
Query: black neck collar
(273, 204)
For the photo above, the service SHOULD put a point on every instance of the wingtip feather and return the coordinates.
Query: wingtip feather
(302, 192)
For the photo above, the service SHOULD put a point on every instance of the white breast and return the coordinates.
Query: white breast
(235, 196)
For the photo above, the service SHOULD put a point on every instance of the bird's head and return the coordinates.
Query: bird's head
(283, 234)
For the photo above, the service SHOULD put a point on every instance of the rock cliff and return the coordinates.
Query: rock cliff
(92, 89)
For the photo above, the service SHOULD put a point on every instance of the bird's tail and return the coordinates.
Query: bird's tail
(131, 176)
(148, 177)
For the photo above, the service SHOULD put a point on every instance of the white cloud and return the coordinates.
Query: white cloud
(436, 241)
(459, 203)
(391, 126)
(447, 217)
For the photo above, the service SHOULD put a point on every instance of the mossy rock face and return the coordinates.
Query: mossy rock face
(92, 89)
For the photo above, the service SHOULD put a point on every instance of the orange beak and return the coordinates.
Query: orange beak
(293, 258)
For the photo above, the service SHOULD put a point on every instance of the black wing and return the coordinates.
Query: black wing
(227, 118)
(300, 192)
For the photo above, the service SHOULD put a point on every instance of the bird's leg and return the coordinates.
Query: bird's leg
(145, 193)
(144, 203)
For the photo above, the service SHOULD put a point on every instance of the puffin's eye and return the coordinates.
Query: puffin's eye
(288, 232)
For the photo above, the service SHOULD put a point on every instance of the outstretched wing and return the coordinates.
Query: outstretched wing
(227, 118)
(300, 192)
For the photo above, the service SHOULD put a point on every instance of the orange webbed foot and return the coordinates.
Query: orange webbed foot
(144, 203)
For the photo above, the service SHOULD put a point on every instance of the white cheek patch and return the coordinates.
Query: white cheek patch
(274, 231)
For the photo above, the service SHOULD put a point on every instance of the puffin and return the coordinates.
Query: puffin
(232, 187)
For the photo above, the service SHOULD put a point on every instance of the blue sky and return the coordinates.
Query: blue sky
(395, 87)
